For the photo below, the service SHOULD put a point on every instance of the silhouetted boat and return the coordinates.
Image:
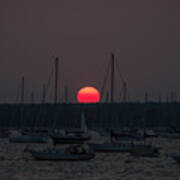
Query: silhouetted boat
(150, 134)
(112, 147)
(145, 150)
(170, 135)
(28, 139)
(121, 135)
(69, 138)
(72, 137)
(37, 132)
(70, 154)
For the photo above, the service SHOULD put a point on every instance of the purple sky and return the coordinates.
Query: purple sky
(144, 35)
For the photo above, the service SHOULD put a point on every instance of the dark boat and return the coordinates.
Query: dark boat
(150, 134)
(69, 138)
(35, 131)
(112, 147)
(121, 135)
(73, 136)
(144, 150)
(170, 135)
(28, 139)
(74, 130)
(70, 154)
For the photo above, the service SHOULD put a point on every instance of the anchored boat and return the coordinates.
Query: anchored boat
(112, 147)
(145, 150)
(72, 137)
(28, 139)
(74, 153)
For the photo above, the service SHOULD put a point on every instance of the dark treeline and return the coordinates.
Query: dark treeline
(97, 115)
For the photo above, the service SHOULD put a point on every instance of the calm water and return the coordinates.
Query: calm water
(17, 165)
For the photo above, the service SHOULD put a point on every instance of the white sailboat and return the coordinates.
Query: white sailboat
(27, 138)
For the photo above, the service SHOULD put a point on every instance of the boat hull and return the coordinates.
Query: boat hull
(28, 139)
(61, 157)
(145, 151)
(110, 147)
(57, 139)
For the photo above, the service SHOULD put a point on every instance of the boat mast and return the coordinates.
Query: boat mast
(112, 78)
(146, 97)
(44, 94)
(66, 94)
(124, 91)
(56, 80)
(22, 102)
(22, 90)
(32, 97)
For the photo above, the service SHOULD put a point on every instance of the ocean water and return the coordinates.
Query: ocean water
(15, 164)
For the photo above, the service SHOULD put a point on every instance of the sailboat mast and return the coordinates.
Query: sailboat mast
(112, 78)
(43, 94)
(56, 80)
(66, 95)
(32, 97)
(22, 90)
(124, 91)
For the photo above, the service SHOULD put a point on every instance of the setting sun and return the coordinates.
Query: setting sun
(88, 95)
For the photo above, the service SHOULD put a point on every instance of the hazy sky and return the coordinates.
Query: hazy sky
(144, 35)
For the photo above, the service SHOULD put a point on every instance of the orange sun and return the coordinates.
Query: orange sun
(88, 95)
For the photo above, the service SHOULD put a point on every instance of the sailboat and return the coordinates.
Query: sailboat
(76, 136)
(124, 145)
(83, 129)
(145, 150)
(112, 146)
(27, 138)
(72, 153)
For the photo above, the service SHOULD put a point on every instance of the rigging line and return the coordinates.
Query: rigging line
(118, 68)
(123, 93)
(49, 81)
(18, 93)
(105, 80)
